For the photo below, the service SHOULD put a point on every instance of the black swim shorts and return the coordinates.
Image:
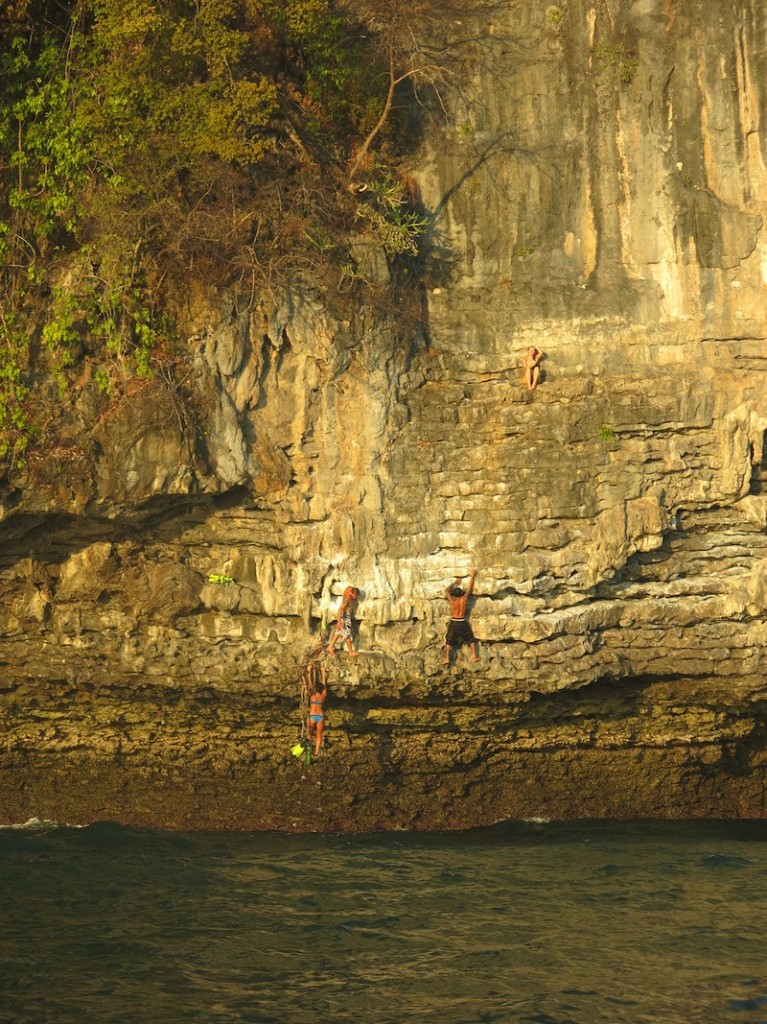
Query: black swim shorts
(459, 632)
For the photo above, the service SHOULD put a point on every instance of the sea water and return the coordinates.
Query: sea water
(576, 923)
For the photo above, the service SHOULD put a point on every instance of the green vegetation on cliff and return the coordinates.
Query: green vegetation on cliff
(156, 141)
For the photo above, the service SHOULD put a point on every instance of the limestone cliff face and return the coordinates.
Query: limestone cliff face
(599, 189)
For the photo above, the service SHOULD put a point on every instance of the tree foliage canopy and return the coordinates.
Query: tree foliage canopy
(154, 139)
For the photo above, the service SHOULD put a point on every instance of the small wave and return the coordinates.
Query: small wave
(753, 1003)
(37, 825)
(726, 860)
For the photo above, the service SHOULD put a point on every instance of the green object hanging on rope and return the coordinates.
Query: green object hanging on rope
(300, 749)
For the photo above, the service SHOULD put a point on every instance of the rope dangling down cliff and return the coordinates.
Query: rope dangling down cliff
(313, 681)
(314, 689)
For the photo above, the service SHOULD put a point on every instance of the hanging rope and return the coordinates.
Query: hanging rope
(310, 673)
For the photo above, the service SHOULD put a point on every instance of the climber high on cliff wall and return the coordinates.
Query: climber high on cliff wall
(531, 365)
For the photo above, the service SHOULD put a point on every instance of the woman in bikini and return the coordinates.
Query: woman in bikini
(316, 684)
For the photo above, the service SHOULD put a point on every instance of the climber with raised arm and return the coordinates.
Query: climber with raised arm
(459, 629)
(317, 692)
(343, 630)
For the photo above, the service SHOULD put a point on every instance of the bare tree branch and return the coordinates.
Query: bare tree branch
(406, 34)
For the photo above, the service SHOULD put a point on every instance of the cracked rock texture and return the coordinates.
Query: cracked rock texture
(599, 189)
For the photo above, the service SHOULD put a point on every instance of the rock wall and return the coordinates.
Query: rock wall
(598, 184)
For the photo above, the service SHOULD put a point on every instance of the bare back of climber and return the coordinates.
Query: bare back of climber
(459, 630)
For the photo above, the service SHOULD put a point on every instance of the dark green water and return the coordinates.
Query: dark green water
(545, 923)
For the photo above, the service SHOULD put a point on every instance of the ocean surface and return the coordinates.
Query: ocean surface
(551, 923)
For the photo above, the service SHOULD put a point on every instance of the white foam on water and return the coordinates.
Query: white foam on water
(36, 825)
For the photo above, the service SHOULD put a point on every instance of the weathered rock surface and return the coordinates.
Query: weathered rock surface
(599, 186)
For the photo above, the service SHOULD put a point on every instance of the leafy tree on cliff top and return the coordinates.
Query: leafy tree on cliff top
(149, 140)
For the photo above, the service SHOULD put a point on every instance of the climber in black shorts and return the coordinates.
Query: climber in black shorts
(459, 630)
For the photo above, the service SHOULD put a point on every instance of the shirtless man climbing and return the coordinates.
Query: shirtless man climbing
(459, 630)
